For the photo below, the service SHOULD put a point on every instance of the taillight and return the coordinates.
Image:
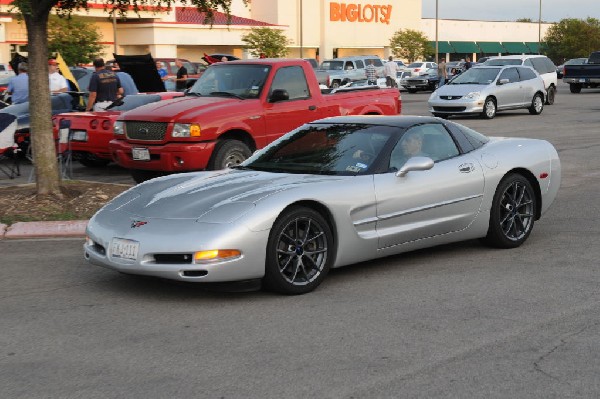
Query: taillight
(94, 124)
(417, 69)
(106, 124)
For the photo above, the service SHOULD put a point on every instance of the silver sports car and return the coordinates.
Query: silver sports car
(331, 193)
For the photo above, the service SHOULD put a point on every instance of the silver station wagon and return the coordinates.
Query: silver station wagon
(485, 90)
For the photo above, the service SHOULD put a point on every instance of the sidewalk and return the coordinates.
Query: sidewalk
(61, 229)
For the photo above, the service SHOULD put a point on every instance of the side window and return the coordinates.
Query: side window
(510, 74)
(526, 74)
(172, 67)
(550, 67)
(528, 62)
(538, 65)
(377, 62)
(359, 64)
(348, 66)
(190, 68)
(292, 80)
(430, 140)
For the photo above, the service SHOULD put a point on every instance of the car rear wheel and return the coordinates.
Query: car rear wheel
(513, 212)
(299, 252)
(537, 105)
(489, 108)
(551, 95)
(229, 153)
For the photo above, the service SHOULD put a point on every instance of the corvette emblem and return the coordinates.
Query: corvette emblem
(137, 223)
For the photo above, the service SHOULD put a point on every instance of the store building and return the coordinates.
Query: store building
(316, 28)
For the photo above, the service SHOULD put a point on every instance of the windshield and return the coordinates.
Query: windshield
(332, 65)
(577, 61)
(133, 101)
(500, 62)
(344, 149)
(228, 80)
(476, 76)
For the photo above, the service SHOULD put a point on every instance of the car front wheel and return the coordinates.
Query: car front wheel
(228, 153)
(489, 108)
(551, 95)
(537, 105)
(513, 212)
(299, 252)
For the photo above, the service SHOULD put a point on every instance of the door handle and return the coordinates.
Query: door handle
(312, 107)
(466, 168)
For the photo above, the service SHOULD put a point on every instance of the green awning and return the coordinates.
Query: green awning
(491, 47)
(443, 47)
(516, 47)
(534, 47)
(465, 47)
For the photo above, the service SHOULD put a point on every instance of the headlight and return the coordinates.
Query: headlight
(186, 130)
(474, 95)
(119, 127)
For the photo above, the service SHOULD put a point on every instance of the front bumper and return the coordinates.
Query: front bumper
(453, 107)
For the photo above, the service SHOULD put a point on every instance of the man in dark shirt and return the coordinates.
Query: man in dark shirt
(182, 76)
(105, 87)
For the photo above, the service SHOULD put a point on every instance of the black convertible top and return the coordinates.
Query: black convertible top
(396, 120)
(143, 71)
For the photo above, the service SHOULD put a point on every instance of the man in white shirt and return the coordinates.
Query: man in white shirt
(390, 69)
(58, 83)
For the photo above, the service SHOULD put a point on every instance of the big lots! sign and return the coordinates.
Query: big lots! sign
(360, 12)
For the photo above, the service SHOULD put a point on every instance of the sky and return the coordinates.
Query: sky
(511, 10)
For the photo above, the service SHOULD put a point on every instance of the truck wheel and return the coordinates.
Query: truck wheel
(140, 176)
(575, 88)
(229, 153)
(550, 96)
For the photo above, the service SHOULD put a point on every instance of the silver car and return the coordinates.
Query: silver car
(486, 90)
(331, 193)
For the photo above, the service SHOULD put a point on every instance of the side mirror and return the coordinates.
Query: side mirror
(502, 82)
(415, 163)
(279, 95)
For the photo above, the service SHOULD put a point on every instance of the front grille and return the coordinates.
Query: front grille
(450, 97)
(449, 109)
(173, 258)
(148, 131)
(416, 82)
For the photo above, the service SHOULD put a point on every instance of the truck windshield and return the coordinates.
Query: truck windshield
(242, 81)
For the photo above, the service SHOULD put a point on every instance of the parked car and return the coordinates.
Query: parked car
(322, 75)
(419, 68)
(485, 90)
(6, 69)
(314, 201)
(234, 109)
(428, 81)
(402, 75)
(572, 61)
(542, 64)
(348, 69)
(579, 76)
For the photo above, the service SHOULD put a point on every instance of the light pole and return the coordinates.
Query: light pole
(301, 55)
(114, 24)
(540, 30)
(436, 33)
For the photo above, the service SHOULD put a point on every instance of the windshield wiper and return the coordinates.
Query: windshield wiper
(225, 93)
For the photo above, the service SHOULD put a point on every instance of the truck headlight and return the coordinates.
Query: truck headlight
(474, 95)
(119, 127)
(186, 130)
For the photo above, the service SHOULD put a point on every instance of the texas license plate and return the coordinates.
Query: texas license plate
(124, 249)
(582, 80)
(140, 154)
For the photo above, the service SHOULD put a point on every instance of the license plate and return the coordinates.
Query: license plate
(582, 80)
(124, 249)
(140, 154)
(412, 87)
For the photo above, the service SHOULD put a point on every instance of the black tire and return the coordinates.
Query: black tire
(537, 104)
(489, 108)
(411, 91)
(140, 176)
(435, 86)
(228, 153)
(575, 88)
(550, 97)
(94, 163)
(513, 212)
(299, 252)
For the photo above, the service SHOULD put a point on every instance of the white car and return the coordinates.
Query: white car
(420, 67)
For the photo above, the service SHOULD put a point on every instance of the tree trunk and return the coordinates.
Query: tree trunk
(40, 110)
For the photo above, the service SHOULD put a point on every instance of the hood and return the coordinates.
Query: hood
(215, 197)
(459, 90)
(178, 108)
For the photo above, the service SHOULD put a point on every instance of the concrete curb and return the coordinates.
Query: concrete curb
(59, 229)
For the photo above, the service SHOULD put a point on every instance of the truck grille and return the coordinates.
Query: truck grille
(150, 131)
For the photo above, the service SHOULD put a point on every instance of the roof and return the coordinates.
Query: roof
(191, 15)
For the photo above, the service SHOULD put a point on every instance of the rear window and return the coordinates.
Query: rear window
(543, 65)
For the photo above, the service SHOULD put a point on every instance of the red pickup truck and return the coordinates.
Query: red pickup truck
(233, 109)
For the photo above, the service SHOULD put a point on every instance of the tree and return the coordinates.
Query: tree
(572, 38)
(410, 44)
(36, 14)
(77, 41)
(269, 42)
(524, 20)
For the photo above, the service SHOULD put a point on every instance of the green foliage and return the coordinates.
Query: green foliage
(572, 38)
(410, 44)
(270, 42)
(75, 40)
(524, 20)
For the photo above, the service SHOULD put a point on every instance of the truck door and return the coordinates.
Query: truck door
(285, 114)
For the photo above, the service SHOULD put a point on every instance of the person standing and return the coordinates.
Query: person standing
(371, 73)
(162, 72)
(126, 80)
(468, 64)
(391, 72)
(18, 87)
(442, 72)
(58, 83)
(104, 87)
(182, 76)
